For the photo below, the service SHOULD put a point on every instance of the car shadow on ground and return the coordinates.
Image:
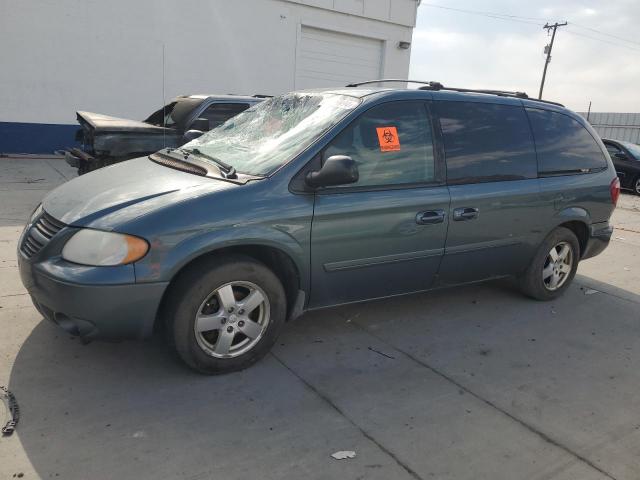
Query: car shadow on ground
(130, 409)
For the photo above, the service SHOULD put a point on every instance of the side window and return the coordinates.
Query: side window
(218, 113)
(612, 149)
(563, 144)
(391, 143)
(486, 142)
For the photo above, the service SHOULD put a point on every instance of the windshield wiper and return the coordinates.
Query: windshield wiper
(228, 170)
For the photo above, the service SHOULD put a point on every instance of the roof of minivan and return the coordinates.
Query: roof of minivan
(444, 94)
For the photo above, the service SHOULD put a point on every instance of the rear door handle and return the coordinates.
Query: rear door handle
(430, 217)
(465, 213)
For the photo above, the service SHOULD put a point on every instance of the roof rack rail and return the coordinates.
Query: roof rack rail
(504, 93)
(385, 80)
(261, 95)
(431, 85)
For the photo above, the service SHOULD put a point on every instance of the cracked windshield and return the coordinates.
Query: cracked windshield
(263, 138)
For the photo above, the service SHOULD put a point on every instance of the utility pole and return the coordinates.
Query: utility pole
(547, 50)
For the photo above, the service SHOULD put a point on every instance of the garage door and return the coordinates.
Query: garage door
(329, 59)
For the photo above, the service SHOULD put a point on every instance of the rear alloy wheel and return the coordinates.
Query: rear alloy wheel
(558, 266)
(225, 313)
(636, 186)
(553, 266)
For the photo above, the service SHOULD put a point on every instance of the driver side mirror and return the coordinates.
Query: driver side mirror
(337, 170)
(620, 155)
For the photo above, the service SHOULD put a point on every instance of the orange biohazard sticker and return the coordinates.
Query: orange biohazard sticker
(388, 139)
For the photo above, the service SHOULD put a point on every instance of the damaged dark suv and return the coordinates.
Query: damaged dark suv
(106, 140)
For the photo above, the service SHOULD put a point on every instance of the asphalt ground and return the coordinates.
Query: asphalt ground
(476, 382)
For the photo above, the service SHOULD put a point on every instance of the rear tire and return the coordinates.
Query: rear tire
(636, 185)
(553, 266)
(224, 314)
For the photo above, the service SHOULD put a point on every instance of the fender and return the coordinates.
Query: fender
(164, 266)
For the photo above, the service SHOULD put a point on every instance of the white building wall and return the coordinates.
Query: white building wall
(107, 56)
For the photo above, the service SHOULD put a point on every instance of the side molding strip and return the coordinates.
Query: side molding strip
(371, 261)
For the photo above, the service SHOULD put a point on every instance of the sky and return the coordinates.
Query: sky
(476, 51)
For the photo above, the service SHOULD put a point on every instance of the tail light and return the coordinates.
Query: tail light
(614, 189)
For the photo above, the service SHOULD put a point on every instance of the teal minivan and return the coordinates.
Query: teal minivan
(320, 198)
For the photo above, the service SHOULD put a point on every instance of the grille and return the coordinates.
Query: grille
(39, 234)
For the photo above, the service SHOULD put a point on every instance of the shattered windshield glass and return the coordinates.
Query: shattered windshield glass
(268, 135)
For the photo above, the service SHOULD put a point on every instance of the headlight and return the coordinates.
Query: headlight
(102, 249)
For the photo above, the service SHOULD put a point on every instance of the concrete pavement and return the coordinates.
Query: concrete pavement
(470, 383)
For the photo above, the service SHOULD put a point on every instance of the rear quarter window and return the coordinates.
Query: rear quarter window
(563, 144)
(486, 142)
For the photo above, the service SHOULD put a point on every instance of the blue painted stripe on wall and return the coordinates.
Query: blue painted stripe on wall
(18, 137)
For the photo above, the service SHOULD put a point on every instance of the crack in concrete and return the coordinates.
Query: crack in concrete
(13, 295)
(58, 171)
(626, 229)
(26, 180)
(542, 435)
(366, 434)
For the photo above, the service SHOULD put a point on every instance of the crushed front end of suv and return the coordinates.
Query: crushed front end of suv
(106, 140)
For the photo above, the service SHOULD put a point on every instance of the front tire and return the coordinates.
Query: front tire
(636, 185)
(224, 314)
(553, 267)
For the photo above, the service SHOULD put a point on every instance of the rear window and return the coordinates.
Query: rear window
(563, 144)
(486, 142)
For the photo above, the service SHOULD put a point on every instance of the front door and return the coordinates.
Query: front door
(385, 234)
(494, 218)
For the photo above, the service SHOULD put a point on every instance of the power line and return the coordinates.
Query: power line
(603, 40)
(533, 21)
(604, 33)
(496, 16)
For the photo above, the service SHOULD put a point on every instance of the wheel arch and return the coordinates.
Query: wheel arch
(277, 259)
(577, 220)
(581, 231)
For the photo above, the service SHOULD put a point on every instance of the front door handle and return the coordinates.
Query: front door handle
(465, 213)
(430, 217)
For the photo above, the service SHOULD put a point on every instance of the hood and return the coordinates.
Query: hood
(109, 196)
(104, 123)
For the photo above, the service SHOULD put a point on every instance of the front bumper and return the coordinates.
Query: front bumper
(92, 310)
(599, 238)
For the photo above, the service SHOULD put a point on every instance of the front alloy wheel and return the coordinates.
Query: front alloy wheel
(224, 313)
(232, 320)
(636, 186)
(558, 266)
